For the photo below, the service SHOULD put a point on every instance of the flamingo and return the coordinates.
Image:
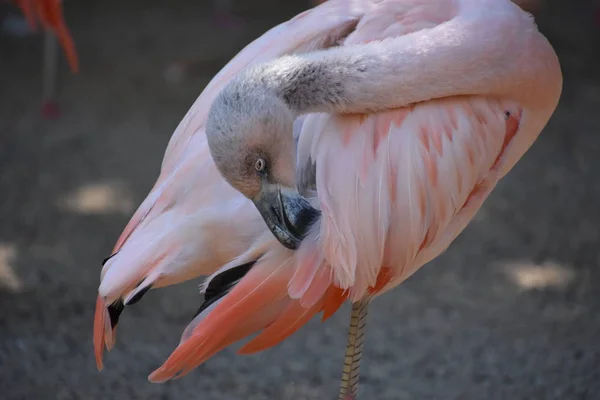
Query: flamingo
(50, 15)
(327, 162)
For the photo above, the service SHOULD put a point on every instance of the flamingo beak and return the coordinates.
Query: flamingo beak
(287, 214)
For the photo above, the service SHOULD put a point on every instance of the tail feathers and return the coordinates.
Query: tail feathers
(142, 259)
(248, 298)
(127, 275)
(293, 317)
(244, 329)
(204, 310)
(100, 331)
(334, 298)
(106, 319)
(249, 306)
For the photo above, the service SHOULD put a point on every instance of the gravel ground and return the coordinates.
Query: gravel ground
(510, 311)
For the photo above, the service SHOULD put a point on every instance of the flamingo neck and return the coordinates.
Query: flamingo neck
(460, 57)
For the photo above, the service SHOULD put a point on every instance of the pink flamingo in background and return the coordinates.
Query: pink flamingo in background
(49, 13)
(405, 114)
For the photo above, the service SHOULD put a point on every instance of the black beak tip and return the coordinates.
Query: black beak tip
(286, 237)
(295, 228)
(304, 220)
(299, 225)
(289, 217)
(291, 244)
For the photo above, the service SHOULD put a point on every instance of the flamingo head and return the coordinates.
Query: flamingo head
(250, 135)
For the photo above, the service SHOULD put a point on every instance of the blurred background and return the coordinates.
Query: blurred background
(510, 311)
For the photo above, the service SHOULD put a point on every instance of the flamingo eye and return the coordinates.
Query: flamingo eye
(260, 165)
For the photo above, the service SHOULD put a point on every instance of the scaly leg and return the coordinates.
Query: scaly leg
(356, 335)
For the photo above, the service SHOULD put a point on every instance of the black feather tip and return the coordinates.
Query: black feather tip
(114, 312)
(108, 258)
(222, 284)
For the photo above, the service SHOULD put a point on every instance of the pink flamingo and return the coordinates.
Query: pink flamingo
(405, 114)
(49, 13)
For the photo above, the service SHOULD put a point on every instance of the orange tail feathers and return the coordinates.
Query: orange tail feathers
(259, 301)
(229, 321)
(99, 332)
(253, 297)
(105, 328)
(107, 316)
(126, 285)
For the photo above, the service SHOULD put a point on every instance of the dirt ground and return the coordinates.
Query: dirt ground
(510, 311)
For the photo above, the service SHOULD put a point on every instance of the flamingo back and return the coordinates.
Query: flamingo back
(395, 188)
(391, 185)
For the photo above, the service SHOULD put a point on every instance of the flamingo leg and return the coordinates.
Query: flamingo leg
(356, 335)
(50, 68)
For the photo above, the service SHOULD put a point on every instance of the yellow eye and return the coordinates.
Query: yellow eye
(260, 165)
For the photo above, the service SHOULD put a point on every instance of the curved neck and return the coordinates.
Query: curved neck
(482, 56)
